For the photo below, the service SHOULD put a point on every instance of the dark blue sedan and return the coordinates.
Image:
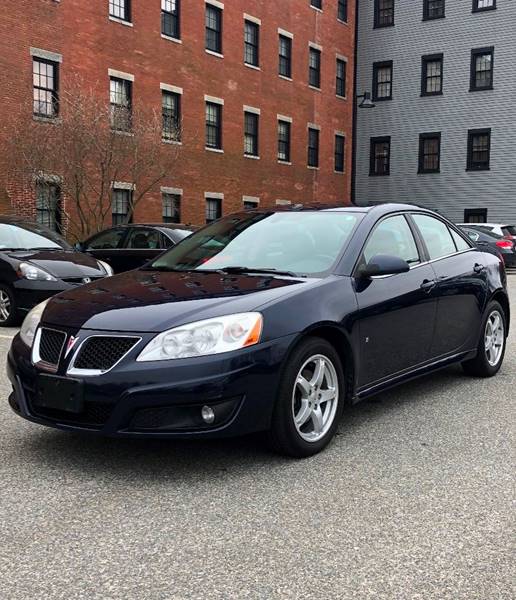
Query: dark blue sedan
(267, 320)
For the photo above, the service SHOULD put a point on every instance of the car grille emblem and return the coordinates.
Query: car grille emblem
(86, 279)
(71, 344)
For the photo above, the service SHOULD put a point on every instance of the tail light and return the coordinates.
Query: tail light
(506, 244)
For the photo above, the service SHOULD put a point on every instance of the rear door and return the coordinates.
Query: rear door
(396, 312)
(106, 246)
(461, 287)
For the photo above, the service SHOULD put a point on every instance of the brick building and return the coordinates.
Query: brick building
(263, 90)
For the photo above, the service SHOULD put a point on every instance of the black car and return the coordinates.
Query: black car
(265, 320)
(128, 247)
(36, 263)
(494, 243)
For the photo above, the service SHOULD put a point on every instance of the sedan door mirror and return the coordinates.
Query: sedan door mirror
(383, 264)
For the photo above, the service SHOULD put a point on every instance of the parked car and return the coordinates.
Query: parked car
(506, 231)
(485, 240)
(127, 247)
(264, 320)
(36, 263)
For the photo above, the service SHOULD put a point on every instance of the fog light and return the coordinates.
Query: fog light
(208, 415)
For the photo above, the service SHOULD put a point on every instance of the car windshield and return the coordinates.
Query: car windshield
(180, 234)
(28, 236)
(293, 243)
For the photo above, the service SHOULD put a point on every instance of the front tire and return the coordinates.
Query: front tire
(492, 343)
(310, 400)
(8, 307)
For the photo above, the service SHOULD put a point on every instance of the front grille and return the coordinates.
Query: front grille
(101, 353)
(80, 280)
(51, 345)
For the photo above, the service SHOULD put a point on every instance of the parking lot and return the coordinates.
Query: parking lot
(412, 500)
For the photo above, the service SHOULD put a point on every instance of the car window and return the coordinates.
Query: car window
(143, 239)
(460, 242)
(393, 237)
(19, 237)
(436, 235)
(166, 242)
(509, 230)
(473, 235)
(107, 240)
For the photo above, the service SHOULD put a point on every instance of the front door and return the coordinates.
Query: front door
(396, 312)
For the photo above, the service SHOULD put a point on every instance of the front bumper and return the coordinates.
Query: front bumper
(163, 399)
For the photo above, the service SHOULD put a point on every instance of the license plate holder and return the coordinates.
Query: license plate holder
(59, 393)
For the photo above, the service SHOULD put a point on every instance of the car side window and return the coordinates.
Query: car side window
(166, 242)
(107, 240)
(392, 236)
(460, 242)
(473, 235)
(436, 236)
(143, 239)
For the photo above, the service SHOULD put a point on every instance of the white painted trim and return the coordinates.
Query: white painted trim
(217, 54)
(280, 202)
(170, 88)
(120, 75)
(171, 39)
(341, 133)
(252, 19)
(122, 185)
(215, 3)
(284, 118)
(46, 55)
(171, 190)
(285, 77)
(315, 46)
(252, 67)
(342, 57)
(120, 21)
(216, 150)
(313, 126)
(251, 109)
(251, 156)
(253, 199)
(214, 99)
(214, 195)
(285, 33)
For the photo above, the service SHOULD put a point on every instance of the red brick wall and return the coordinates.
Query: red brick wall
(91, 44)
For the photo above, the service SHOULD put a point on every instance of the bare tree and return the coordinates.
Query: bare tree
(90, 147)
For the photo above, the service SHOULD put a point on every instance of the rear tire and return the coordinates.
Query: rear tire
(310, 400)
(492, 343)
(8, 308)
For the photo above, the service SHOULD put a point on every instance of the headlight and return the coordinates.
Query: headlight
(31, 322)
(105, 267)
(213, 336)
(29, 271)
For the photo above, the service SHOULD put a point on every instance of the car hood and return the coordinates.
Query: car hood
(150, 301)
(62, 264)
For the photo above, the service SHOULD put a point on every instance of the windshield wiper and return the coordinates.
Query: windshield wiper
(270, 271)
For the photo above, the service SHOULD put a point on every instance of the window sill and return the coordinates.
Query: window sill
(251, 156)
(285, 77)
(284, 162)
(341, 97)
(121, 21)
(120, 132)
(420, 172)
(312, 168)
(424, 19)
(481, 10)
(342, 22)
(477, 169)
(430, 94)
(171, 39)
(213, 53)
(50, 120)
(382, 99)
(216, 150)
(339, 172)
(172, 142)
(379, 174)
(319, 10)
(481, 89)
(316, 89)
(376, 26)
(254, 67)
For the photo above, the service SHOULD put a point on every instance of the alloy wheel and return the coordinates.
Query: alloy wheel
(5, 306)
(315, 398)
(494, 338)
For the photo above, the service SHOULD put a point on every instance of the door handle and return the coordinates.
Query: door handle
(478, 268)
(428, 285)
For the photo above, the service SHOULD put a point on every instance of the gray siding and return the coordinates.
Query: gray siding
(453, 114)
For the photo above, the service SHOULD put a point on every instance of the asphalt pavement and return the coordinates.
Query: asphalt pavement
(413, 500)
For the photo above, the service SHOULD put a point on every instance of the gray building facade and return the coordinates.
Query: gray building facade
(442, 134)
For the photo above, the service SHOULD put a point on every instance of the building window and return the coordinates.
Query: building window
(120, 9)
(120, 206)
(341, 78)
(251, 124)
(380, 158)
(314, 68)
(120, 100)
(251, 43)
(432, 75)
(313, 147)
(213, 125)
(171, 208)
(213, 209)
(429, 153)
(482, 65)
(285, 56)
(382, 80)
(340, 143)
(284, 141)
(479, 149)
(480, 5)
(171, 115)
(433, 9)
(316, 4)
(342, 10)
(170, 24)
(383, 13)
(48, 205)
(45, 88)
(250, 203)
(475, 215)
(214, 28)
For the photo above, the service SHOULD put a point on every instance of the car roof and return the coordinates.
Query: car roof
(379, 208)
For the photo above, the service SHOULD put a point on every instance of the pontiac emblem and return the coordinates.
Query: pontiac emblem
(71, 344)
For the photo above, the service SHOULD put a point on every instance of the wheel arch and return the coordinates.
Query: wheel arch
(501, 297)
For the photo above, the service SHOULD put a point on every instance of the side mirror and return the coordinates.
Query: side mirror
(383, 264)
(79, 246)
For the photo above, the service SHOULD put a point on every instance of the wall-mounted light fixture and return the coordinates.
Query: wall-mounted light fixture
(366, 101)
